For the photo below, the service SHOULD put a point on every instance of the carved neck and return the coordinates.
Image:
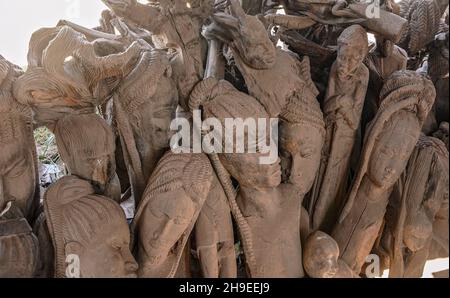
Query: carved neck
(259, 202)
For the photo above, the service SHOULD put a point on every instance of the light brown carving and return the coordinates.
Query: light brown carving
(89, 226)
(343, 106)
(86, 145)
(168, 211)
(144, 106)
(407, 100)
(19, 251)
(269, 213)
(67, 73)
(423, 22)
(321, 258)
(175, 25)
(214, 238)
(418, 196)
(18, 163)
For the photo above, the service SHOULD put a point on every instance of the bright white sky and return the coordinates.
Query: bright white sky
(20, 18)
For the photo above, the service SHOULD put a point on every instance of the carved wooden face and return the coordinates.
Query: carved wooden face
(321, 256)
(301, 146)
(163, 222)
(107, 254)
(393, 149)
(247, 169)
(156, 115)
(86, 145)
(417, 231)
(17, 174)
(349, 59)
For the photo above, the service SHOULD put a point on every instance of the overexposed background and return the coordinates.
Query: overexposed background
(20, 18)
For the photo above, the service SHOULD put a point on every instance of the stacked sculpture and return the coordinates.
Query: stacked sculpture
(361, 158)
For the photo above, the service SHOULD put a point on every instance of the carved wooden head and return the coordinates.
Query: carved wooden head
(219, 99)
(18, 173)
(405, 124)
(302, 135)
(353, 47)
(68, 73)
(170, 206)
(406, 99)
(89, 227)
(86, 144)
(320, 256)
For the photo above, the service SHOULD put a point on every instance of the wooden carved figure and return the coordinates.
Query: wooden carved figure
(18, 162)
(168, 211)
(86, 145)
(390, 140)
(87, 230)
(347, 87)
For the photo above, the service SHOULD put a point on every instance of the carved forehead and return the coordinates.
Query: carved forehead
(76, 213)
(86, 134)
(356, 37)
(321, 243)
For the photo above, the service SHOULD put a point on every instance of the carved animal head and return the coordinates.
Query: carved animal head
(246, 34)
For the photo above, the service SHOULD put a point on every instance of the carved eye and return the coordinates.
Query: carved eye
(307, 152)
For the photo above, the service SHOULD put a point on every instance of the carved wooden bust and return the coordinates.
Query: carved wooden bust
(89, 227)
(168, 211)
(86, 145)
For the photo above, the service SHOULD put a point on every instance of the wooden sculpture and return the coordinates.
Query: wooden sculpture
(343, 106)
(417, 198)
(18, 163)
(168, 211)
(88, 227)
(407, 98)
(86, 145)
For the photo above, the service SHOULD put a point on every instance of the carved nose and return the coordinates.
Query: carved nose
(131, 266)
(100, 174)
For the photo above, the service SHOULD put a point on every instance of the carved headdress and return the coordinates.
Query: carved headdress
(301, 111)
(404, 90)
(19, 249)
(74, 213)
